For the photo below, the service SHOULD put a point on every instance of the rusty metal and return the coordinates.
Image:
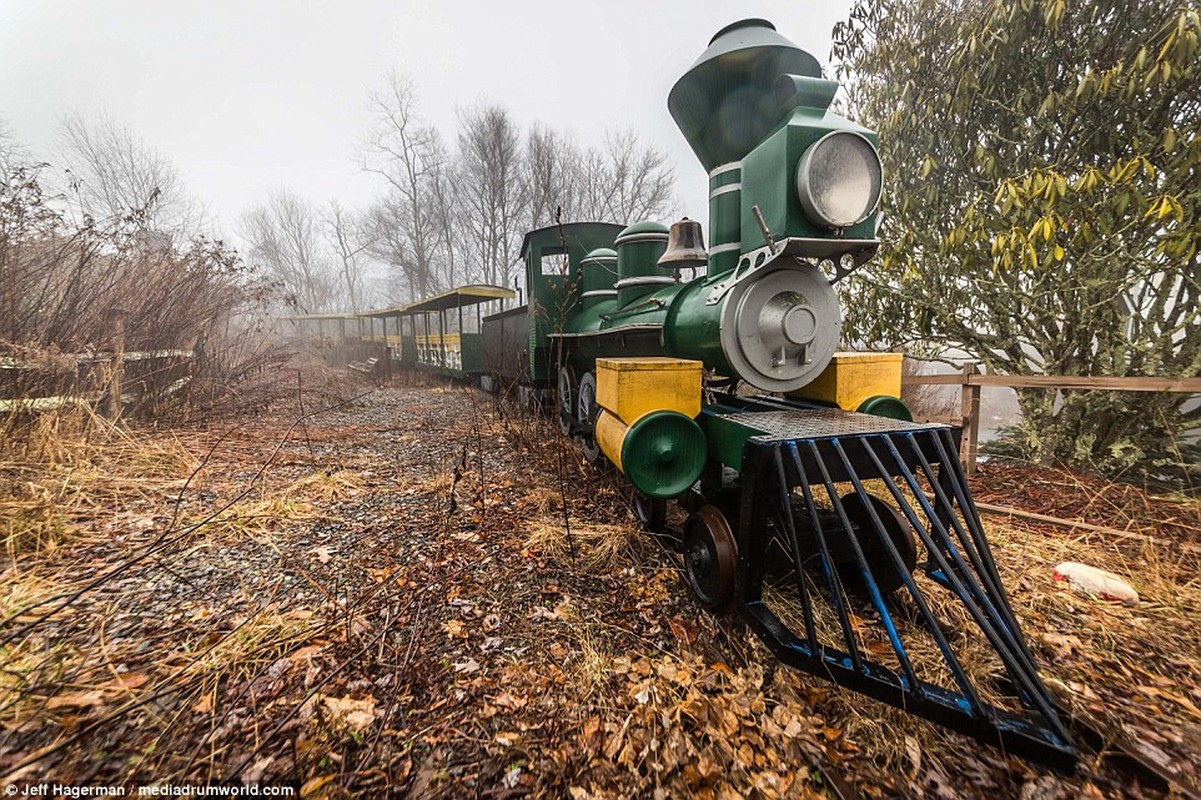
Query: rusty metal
(685, 246)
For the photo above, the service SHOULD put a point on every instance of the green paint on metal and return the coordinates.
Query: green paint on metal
(639, 228)
(692, 328)
(552, 256)
(725, 438)
(638, 250)
(726, 103)
(726, 177)
(471, 352)
(599, 270)
(883, 405)
(408, 351)
(725, 211)
(663, 454)
(769, 181)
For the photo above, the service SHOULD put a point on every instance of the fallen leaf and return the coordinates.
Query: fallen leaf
(913, 751)
(305, 653)
(348, 713)
(76, 700)
(126, 681)
(254, 773)
(467, 667)
(313, 785)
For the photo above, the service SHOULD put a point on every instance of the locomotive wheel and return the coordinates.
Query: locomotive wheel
(886, 575)
(710, 556)
(567, 399)
(586, 411)
(651, 512)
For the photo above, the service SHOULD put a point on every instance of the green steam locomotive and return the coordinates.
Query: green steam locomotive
(710, 377)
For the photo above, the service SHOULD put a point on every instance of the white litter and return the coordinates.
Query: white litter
(1096, 582)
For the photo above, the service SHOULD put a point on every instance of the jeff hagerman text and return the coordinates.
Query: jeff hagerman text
(148, 790)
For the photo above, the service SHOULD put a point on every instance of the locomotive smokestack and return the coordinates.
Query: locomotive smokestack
(725, 105)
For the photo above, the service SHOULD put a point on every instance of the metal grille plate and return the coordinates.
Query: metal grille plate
(820, 423)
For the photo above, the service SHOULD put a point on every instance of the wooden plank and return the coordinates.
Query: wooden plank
(117, 374)
(932, 380)
(939, 419)
(970, 414)
(1084, 526)
(98, 358)
(1124, 384)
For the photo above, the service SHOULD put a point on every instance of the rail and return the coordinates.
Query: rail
(119, 388)
(971, 380)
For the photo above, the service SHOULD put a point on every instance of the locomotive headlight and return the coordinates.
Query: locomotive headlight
(838, 180)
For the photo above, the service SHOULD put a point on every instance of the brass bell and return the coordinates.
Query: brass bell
(685, 246)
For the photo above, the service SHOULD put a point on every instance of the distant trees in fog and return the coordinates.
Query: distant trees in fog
(111, 172)
(81, 272)
(449, 214)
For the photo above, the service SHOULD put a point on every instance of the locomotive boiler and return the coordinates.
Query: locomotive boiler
(709, 376)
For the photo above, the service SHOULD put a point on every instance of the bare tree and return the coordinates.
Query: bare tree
(490, 189)
(553, 176)
(452, 262)
(12, 154)
(409, 156)
(351, 240)
(390, 245)
(284, 237)
(445, 219)
(115, 174)
(629, 182)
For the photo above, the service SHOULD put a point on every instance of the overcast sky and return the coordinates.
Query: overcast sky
(246, 96)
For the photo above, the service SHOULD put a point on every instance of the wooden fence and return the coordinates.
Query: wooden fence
(971, 380)
(114, 379)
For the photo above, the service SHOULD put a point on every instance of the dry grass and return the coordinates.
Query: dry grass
(1134, 668)
(1094, 649)
(65, 472)
(112, 489)
(594, 544)
(253, 643)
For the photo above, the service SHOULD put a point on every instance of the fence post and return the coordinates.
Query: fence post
(117, 372)
(969, 412)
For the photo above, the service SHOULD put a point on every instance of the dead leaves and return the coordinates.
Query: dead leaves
(467, 667)
(707, 730)
(97, 696)
(343, 714)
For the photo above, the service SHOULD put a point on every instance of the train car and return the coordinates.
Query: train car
(443, 334)
(710, 377)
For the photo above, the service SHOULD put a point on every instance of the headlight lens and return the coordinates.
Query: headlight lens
(838, 180)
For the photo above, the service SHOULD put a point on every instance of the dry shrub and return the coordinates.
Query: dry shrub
(71, 288)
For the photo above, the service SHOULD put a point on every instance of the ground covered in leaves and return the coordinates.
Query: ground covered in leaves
(419, 590)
